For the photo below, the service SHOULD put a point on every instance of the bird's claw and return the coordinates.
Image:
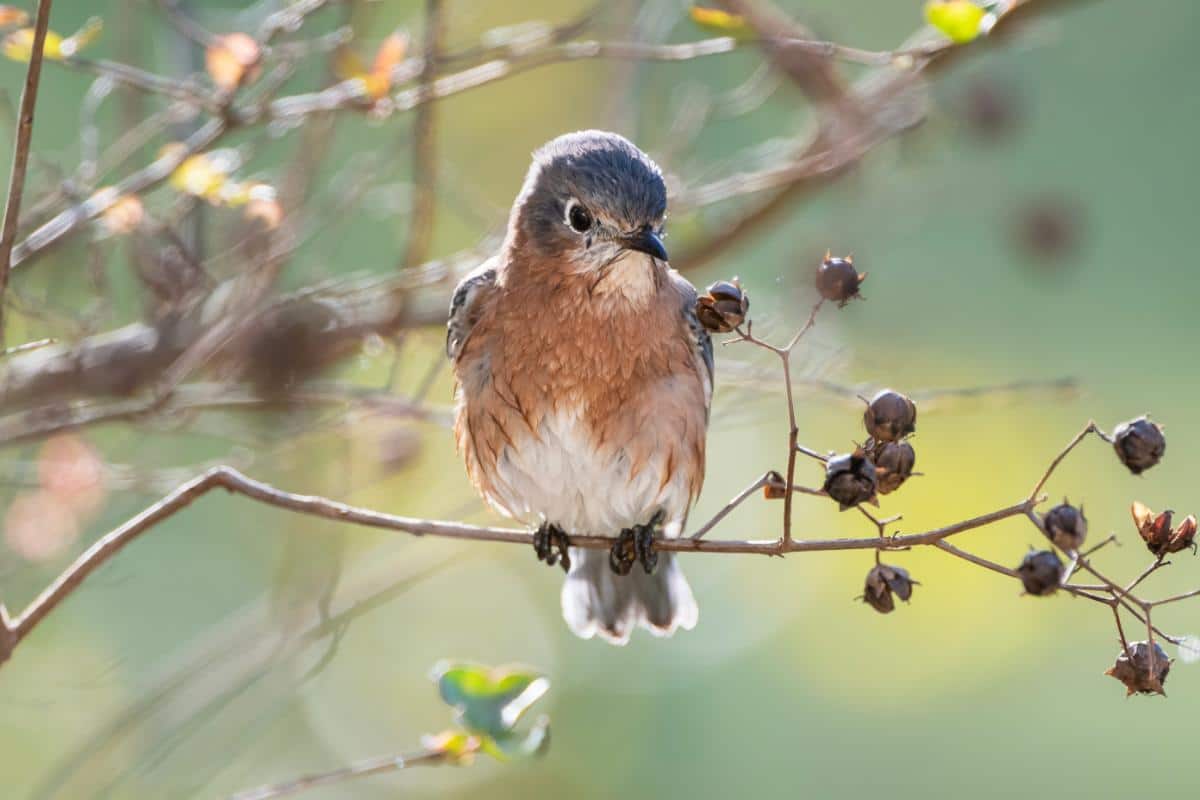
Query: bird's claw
(645, 547)
(623, 552)
(550, 543)
(635, 544)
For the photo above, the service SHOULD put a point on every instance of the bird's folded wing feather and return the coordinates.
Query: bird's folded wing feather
(701, 341)
(464, 305)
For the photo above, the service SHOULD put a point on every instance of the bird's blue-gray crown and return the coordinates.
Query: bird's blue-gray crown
(589, 195)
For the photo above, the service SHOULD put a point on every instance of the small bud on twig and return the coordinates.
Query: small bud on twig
(1139, 443)
(233, 59)
(1041, 572)
(1133, 669)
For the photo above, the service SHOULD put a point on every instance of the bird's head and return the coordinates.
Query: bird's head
(592, 199)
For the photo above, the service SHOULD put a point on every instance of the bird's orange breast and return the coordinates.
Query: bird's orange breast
(622, 375)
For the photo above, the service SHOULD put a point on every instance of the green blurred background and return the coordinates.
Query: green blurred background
(192, 665)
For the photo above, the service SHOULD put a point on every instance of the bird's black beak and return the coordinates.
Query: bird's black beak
(646, 241)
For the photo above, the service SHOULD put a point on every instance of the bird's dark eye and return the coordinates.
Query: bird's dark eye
(578, 217)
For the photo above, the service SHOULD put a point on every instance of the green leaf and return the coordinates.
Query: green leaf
(533, 742)
(487, 700)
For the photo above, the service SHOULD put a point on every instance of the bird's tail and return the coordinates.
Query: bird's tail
(595, 600)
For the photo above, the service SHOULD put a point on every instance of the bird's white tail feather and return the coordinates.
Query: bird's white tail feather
(595, 600)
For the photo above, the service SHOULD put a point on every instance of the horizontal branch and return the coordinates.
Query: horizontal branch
(360, 769)
(15, 630)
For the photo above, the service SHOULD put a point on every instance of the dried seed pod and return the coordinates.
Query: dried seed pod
(850, 479)
(890, 416)
(723, 307)
(838, 280)
(1184, 535)
(1041, 572)
(894, 463)
(1133, 668)
(1139, 443)
(884, 582)
(1066, 526)
(1155, 529)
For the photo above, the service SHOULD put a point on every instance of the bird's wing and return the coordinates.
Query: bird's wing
(464, 305)
(701, 341)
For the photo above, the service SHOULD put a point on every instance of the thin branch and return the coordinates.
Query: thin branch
(1155, 565)
(1121, 630)
(187, 27)
(182, 90)
(1102, 543)
(1079, 437)
(25, 347)
(232, 480)
(1175, 598)
(767, 479)
(359, 769)
(424, 153)
(20, 163)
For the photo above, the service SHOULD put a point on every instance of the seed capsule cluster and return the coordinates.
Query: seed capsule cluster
(884, 461)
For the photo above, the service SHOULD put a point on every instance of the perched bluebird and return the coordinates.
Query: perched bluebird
(584, 382)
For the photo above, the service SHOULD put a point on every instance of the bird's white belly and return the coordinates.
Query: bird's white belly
(560, 476)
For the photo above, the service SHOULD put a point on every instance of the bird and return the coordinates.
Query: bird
(584, 381)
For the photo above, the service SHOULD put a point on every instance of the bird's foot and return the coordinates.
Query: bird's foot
(623, 553)
(636, 544)
(550, 543)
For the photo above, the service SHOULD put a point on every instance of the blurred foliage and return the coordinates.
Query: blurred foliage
(490, 703)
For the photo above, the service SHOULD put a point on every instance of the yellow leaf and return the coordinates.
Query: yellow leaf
(235, 194)
(18, 45)
(721, 22)
(390, 53)
(458, 747)
(199, 176)
(229, 58)
(376, 86)
(959, 20)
